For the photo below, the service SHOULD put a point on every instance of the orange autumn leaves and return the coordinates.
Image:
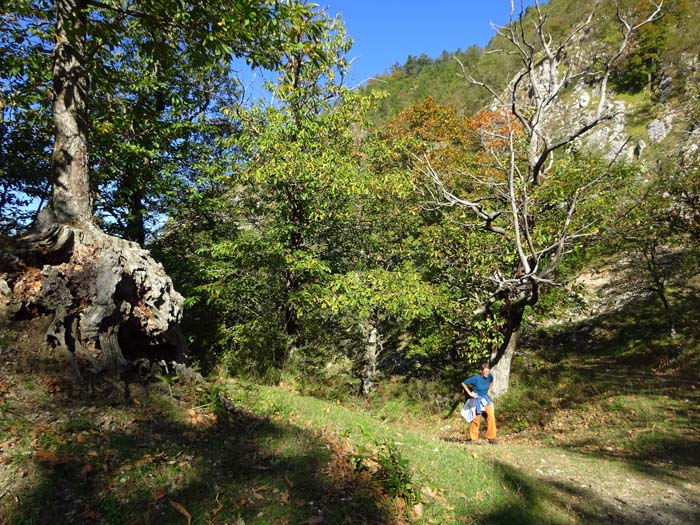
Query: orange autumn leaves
(460, 148)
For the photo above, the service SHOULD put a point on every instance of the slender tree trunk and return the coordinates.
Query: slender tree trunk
(135, 227)
(293, 283)
(502, 357)
(291, 319)
(71, 188)
(658, 279)
(369, 359)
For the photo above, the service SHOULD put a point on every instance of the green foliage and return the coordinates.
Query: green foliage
(290, 181)
(392, 472)
(399, 398)
(395, 474)
(316, 376)
(168, 380)
(642, 63)
(162, 72)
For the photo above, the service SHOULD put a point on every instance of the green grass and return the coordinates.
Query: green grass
(278, 458)
(283, 458)
(469, 486)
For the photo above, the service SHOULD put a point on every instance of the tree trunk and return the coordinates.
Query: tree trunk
(502, 357)
(293, 283)
(651, 252)
(69, 166)
(135, 226)
(108, 301)
(291, 319)
(369, 359)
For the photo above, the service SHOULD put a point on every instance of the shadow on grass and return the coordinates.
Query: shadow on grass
(135, 466)
(541, 502)
(656, 457)
(634, 398)
(637, 333)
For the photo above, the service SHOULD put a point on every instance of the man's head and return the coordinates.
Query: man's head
(485, 369)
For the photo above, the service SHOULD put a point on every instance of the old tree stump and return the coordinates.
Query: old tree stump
(107, 302)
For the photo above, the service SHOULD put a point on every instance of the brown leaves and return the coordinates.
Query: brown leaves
(53, 385)
(182, 510)
(201, 420)
(4, 390)
(85, 472)
(5, 447)
(417, 511)
(28, 284)
(48, 457)
(90, 514)
(217, 509)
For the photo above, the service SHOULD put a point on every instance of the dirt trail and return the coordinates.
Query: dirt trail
(608, 491)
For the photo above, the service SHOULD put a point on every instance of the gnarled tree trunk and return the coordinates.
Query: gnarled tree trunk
(108, 300)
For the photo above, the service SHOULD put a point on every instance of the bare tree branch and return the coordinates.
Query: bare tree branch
(525, 156)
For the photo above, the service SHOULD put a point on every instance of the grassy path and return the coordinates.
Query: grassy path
(510, 483)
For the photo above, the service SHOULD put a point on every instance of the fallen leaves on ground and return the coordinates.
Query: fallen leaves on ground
(49, 457)
(85, 472)
(182, 510)
(201, 420)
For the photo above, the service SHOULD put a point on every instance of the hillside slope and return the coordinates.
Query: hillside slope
(652, 81)
(591, 433)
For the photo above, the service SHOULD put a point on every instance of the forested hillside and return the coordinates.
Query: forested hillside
(657, 62)
(172, 241)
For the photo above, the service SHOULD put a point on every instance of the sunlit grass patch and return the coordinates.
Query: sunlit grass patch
(459, 483)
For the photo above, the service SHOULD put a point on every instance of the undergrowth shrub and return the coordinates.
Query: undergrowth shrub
(393, 472)
(331, 379)
(396, 397)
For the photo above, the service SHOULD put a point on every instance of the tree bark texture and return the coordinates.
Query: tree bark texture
(109, 302)
(71, 187)
(502, 357)
(369, 359)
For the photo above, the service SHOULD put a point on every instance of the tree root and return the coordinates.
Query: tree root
(111, 303)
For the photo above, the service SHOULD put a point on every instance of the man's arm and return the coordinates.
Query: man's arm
(469, 392)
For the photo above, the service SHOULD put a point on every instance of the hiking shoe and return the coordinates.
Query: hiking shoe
(493, 442)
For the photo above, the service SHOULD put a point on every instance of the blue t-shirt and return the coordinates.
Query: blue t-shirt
(479, 383)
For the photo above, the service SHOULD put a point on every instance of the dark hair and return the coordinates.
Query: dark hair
(484, 365)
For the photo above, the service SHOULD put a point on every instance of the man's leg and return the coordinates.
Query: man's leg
(490, 422)
(474, 428)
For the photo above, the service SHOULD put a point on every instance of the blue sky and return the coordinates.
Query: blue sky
(387, 31)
